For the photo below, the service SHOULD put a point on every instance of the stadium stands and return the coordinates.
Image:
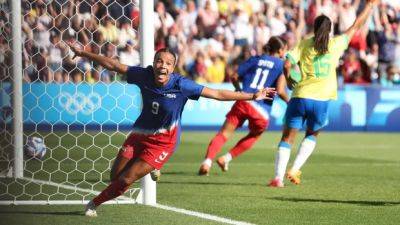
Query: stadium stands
(210, 36)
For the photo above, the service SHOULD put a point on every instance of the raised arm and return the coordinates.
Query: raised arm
(108, 63)
(301, 24)
(226, 95)
(361, 18)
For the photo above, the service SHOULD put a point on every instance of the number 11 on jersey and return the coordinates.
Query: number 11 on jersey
(256, 79)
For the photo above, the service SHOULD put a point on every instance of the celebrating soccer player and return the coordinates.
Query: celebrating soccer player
(317, 58)
(157, 129)
(256, 73)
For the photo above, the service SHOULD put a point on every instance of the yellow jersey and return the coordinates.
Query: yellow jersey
(318, 72)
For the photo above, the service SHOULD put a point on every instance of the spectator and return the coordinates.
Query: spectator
(347, 14)
(162, 17)
(77, 76)
(187, 18)
(277, 21)
(234, 30)
(371, 59)
(55, 54)
(58, 77)
(391, 77)
(216, 71)
(207, 20)
(109, 30)
(198, 70)
(262, 33)
(126, 33)
(129, 55)
(351, 64)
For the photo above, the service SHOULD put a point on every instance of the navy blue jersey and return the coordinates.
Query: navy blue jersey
(162, 106)
(260, 72)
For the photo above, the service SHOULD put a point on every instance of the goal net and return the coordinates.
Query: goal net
(81, 111)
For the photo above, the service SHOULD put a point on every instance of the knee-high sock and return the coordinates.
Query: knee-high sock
(115, 189)
(215, 146)
(243, 145)
(282, 159)
(306, 148)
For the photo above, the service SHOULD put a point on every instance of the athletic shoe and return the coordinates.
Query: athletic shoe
(90, 209)
(276, 183)
(204, 170)
(294, 176)
(155, 175)
(224, 165)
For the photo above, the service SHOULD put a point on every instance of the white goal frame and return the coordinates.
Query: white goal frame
(147, 192)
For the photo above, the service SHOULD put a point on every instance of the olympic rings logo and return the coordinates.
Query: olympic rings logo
(79, 102)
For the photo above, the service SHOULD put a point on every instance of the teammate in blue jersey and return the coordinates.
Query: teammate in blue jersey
(156, 132)
(256, 73)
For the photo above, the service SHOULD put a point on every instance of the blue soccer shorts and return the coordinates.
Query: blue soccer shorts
(313, 112)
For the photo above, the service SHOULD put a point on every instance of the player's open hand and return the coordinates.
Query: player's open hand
(77, 51)
(265, 94)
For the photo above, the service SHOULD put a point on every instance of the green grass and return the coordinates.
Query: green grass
(352, 178)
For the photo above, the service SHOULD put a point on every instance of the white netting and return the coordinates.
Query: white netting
(77, 107)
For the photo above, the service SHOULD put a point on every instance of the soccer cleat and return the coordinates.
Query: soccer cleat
(155, 175)
(204, 170)
(223, 164)
(276, 183)
(90, 209)
(294, 176)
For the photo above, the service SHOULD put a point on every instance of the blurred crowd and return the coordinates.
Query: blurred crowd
(211, 37)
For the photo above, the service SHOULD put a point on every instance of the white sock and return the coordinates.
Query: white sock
(208, 162)
(282, 159)
(307, 147)
(228, 157)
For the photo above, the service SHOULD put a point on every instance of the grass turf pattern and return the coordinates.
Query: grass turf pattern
(352, 178)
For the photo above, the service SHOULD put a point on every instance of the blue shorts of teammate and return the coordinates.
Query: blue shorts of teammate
(314, 112)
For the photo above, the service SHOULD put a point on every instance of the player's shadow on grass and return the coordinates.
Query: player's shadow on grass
(68, 213)
(353, 202)
(178, 173)
(212, 183)
(204, 182)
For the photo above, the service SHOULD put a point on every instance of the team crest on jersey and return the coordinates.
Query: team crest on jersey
(169, 95)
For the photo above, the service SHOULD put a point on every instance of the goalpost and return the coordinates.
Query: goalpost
(81, 141)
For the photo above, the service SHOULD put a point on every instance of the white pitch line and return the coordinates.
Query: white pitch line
(202, 215)
(119, 200)
(165, 207)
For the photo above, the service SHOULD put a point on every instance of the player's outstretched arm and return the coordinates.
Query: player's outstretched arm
(226, 95)
(361, 18)
(108, 63)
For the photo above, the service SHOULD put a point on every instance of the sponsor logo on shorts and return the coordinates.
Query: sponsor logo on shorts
(161, 157)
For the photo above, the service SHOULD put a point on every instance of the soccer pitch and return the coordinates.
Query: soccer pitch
(352, 178)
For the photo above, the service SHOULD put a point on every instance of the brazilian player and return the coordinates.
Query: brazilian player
(317, 57)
